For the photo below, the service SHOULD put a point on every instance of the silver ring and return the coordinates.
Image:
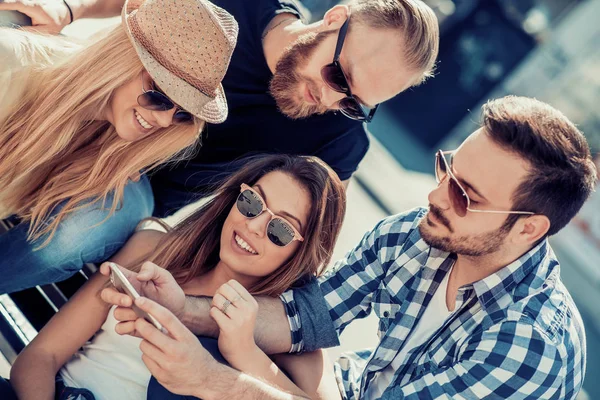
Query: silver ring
(225, 306)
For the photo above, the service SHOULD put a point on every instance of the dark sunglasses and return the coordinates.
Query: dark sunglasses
(335, 78)
(458, 195)
(156, 100)
(279, 230)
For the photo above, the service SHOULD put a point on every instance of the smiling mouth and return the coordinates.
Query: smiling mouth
(243, 245)
(143, 123)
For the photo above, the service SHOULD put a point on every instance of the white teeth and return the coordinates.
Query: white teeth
(244, 245)
(142, 121)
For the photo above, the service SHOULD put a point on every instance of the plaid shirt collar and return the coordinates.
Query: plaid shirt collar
(493, 287)
(490, 289)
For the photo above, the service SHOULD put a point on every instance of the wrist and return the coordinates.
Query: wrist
(245, 357)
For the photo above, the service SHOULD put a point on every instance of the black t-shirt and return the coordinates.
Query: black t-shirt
(254, 124)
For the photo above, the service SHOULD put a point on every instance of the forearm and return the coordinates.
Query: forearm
(272, 332)
(33, 377)
(228, 383)
(257, 364)
(95, 8)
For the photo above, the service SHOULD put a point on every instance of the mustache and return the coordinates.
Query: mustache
(437, 213)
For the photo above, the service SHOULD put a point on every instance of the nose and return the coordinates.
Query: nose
(330, 97)
(164, 118)
(258, 226)
(439, 196)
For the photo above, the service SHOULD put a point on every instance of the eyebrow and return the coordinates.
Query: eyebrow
(466, 183)
(287, 214)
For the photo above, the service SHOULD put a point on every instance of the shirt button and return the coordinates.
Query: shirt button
(386, 314)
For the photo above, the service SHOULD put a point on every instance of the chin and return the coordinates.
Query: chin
(128, 135)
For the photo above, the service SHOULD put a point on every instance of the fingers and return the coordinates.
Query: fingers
(150, 271)
(112, 296)
(166, 318)
(127, 328)
(229, 293)
(149, 333)
(221, 319)
(104, 268)
(124, 314)
(240, 290)
(153, 367)
(13, 5)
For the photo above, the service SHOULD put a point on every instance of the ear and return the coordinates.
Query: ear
(335, 17)
(531, 229)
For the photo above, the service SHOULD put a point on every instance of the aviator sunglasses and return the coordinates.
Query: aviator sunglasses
(156, 100)
(457, 194)
(335, 78)
(280, 231)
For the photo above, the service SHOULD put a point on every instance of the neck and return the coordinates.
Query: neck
(281, 32)
(216, 277)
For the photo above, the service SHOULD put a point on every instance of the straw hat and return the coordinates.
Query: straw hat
(185, 45)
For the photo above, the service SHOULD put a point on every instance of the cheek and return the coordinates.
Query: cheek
(275, 257)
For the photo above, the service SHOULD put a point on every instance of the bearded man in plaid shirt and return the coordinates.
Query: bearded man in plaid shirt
(467, 291)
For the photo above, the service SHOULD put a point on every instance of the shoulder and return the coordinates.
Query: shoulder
(347, 144)
(146, 239)
(140, 244)
(393, 231)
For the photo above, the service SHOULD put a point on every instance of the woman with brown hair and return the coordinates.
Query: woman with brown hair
(271, 224)
(80, 125)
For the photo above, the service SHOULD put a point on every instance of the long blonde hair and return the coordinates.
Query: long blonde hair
(56, 151)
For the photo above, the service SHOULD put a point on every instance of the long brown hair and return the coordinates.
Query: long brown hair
(192, 247)
(54, 148)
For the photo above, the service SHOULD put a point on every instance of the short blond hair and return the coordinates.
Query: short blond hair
(414, 19)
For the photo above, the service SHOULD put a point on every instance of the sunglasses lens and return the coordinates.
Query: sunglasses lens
(280, 232)
(183, 118)
(440, 167)
(334, 77)
(458, 198)
(155, 101)
(350, 108)
(248, 204)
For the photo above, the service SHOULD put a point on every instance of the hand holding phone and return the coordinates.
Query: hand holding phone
(122, 284)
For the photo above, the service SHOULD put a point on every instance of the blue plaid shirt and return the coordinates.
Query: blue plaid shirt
(515, 334)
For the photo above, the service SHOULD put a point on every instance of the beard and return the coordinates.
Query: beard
(473, 246)
(286, 81)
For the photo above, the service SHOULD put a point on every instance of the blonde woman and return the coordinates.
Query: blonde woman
(81, 124)
(271, 224)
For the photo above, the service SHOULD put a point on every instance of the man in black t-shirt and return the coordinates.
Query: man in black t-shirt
(281, 81)
(277, 95)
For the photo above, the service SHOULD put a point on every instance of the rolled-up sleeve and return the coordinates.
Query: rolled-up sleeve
(311, 326)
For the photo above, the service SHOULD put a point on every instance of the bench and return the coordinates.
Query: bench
(24, 313)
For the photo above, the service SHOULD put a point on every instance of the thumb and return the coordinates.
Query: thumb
(151, 272)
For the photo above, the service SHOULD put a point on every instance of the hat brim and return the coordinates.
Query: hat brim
(212, 110)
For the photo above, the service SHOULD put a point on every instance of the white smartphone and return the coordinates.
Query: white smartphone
(122, 284)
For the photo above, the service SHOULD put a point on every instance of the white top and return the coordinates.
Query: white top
(433, 318)
(110, 365)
